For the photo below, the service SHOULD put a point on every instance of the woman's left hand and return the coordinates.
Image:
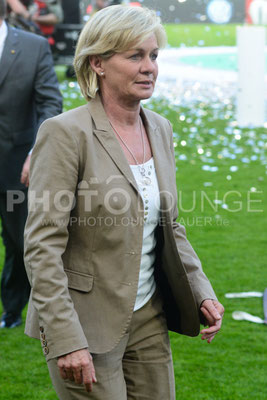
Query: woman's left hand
(213, 312)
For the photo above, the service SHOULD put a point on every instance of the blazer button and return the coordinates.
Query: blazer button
(42, 336)
(41, 329)
(44, 343)
(46, 351)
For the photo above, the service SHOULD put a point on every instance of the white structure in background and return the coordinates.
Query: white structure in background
(258, 12)
(251, 68)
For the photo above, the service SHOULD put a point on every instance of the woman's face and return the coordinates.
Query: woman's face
(131, 76)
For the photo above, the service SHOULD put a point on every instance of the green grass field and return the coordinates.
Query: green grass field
(201, 35)
(230, 237)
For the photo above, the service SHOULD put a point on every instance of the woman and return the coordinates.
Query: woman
(111, 270)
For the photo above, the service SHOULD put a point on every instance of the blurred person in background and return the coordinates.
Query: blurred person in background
(100, 4)
(96, 5)
(110, 268)
(29, 94)
(115, 2)
(71, 11)
(19, 7)
(47, 14)
(19, 15)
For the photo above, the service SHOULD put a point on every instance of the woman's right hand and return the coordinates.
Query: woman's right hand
(78, 366)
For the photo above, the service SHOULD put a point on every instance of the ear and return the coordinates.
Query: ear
(96, 64)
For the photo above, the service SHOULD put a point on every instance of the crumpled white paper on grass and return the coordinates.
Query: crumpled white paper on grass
(242, 315)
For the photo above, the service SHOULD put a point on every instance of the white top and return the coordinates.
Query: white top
(3, 35)
(151, 201)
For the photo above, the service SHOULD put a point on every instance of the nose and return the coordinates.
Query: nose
(148, 66)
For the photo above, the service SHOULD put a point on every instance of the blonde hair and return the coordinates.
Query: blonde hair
(114, 29)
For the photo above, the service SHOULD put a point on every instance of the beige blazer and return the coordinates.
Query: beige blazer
(83, 236)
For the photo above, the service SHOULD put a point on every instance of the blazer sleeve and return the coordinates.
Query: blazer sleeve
(54, 169)
(47, 97)
(199, 283)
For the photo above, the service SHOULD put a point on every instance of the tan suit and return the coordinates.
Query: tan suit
(83, 264)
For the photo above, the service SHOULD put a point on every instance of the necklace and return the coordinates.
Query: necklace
(145, 179)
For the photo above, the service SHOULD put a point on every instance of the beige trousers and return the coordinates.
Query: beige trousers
(138, 368)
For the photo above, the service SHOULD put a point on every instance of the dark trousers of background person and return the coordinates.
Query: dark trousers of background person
(71, 11)
(15, 287)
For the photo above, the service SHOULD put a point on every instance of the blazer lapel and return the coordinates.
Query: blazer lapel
(10, 53)
(157, 146)
(107, 138)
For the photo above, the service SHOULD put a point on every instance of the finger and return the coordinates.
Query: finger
(89, 387)
(214, 312)
(61, 368)
(88, 374)
(94, 377)
(219, 308)
(77, 373)
(69, 374)
(212, 329)
(208, 335)
(209, 338)
(208, 316)
(93, 369)
(87, 380)
(205, 336)
(212, 305)
(62, 373)
(211, 315)
(23, 178)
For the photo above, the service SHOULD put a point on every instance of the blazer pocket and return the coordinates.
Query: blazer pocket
(79, 281)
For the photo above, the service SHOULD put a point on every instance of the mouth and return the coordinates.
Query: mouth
(145, 83)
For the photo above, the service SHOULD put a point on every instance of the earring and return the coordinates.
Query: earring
(102, 73)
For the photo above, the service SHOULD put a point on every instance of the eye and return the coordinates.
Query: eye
(154, 56)
(135, 56)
